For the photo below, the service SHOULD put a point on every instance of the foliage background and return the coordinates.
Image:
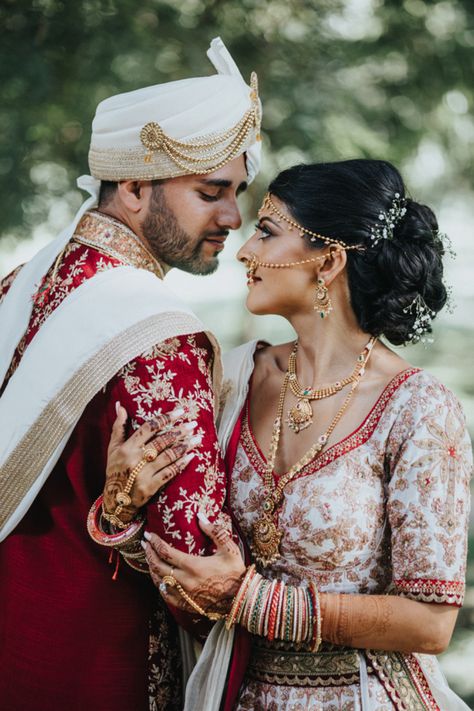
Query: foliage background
(339, 79)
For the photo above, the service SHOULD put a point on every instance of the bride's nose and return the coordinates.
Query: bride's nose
(248, 248)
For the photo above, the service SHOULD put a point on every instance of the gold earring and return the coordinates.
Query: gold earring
(322, 302)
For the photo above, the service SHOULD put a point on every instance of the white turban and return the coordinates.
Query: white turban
(182, 127)
(192, 126)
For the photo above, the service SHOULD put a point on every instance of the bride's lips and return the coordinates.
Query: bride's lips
(252, 279)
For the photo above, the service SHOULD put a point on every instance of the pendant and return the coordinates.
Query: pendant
(266, 539)
(300, 416)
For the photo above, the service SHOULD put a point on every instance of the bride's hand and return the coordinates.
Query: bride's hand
(171, 443)
(211, 581)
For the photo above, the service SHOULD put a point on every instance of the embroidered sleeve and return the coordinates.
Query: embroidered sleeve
(6, 283)
(178, 372)
(428, 506)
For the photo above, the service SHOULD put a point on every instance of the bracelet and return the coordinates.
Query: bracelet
(173, 583)
(111, 540)
(271, 592)
(113, 519)
(263, 612)
(276, 610)
(239, 597)
(317, 619)
(279, 615)
(123, 498)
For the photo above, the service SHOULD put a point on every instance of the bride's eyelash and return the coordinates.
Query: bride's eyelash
(264, 230)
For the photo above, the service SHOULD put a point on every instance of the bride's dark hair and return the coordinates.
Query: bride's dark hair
(344, 201)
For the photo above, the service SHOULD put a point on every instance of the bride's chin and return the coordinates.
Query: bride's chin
(258, 308)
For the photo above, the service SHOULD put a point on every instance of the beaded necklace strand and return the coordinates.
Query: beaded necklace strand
(266, 536)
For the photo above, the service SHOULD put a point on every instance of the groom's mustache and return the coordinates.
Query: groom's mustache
(216, 233)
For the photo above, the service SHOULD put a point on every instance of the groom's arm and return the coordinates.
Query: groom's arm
(178, 372)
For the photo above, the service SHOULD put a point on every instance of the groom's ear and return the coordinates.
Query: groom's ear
(134, 194)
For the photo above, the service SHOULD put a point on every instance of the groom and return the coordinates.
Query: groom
(86, 324)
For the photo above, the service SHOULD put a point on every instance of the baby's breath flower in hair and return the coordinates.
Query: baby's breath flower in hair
(388, 220)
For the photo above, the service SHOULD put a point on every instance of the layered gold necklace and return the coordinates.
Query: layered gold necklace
(300, 416)
(266, 536)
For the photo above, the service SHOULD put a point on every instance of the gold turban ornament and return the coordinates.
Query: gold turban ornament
(192, 126)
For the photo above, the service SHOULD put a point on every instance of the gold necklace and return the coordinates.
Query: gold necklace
(266, 537)
(300, 416)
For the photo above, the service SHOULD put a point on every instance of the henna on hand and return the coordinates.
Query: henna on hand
(347, 622)
(114, 484)
(216, 594)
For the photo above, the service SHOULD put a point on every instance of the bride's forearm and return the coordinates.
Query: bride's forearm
(386, 622)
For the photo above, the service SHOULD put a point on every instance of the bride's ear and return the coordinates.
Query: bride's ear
(333, 265)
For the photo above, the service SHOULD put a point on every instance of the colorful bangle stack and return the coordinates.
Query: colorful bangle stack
(239, 598)
(126, 540)
(275, 610)
(113, 539)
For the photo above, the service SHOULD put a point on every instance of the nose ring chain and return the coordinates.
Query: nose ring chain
(253, 263)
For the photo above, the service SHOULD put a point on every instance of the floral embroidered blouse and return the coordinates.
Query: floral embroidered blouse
(383, 511)
(385, 508)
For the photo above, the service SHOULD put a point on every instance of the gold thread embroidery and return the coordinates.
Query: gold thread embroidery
(276, 664)
(28, 459)
(113, 238)
(403, 680)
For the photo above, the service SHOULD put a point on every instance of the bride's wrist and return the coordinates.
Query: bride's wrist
(277, 610)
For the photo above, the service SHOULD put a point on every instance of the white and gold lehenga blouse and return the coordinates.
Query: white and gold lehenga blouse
(383, 511)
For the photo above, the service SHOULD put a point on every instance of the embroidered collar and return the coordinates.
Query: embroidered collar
(112, 237)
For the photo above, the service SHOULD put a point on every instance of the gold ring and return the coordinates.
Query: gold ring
(149, 454)
(169, 580)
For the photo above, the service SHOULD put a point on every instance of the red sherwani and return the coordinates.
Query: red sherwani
(73, 639)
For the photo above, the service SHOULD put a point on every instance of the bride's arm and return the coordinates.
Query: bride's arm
(385, 622)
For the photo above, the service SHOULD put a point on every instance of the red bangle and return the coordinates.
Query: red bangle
(273, 612)
(111, 540)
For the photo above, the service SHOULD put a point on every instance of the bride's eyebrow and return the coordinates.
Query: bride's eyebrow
(268, 219)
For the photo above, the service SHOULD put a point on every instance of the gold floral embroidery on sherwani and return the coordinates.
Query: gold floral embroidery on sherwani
(115, 239)
(383, 511)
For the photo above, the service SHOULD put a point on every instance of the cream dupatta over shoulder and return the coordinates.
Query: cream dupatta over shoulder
(98, 328)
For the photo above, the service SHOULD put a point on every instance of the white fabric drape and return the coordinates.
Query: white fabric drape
(16, 307)
(89, 318)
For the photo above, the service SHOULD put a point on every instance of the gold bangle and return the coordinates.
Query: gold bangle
(239, 596)
(113, 519)
(317, 618)
(173, 583)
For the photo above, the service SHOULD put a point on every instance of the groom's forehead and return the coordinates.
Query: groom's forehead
(232, 176)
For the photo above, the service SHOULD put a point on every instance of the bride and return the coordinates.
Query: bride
(348, 468)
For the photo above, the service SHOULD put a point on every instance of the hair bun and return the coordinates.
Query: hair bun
(396, 283)
(407, 270)
(418, 222)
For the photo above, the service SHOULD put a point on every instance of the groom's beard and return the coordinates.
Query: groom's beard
(169, 243)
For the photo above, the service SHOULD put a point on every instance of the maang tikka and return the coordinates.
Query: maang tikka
(322, 302)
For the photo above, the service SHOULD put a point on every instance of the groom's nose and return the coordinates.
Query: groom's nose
(229, 217)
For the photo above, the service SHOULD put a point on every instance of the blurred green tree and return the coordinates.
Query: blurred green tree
(338, 79)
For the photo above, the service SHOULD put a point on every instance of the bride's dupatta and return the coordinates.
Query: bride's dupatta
(216, 679)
